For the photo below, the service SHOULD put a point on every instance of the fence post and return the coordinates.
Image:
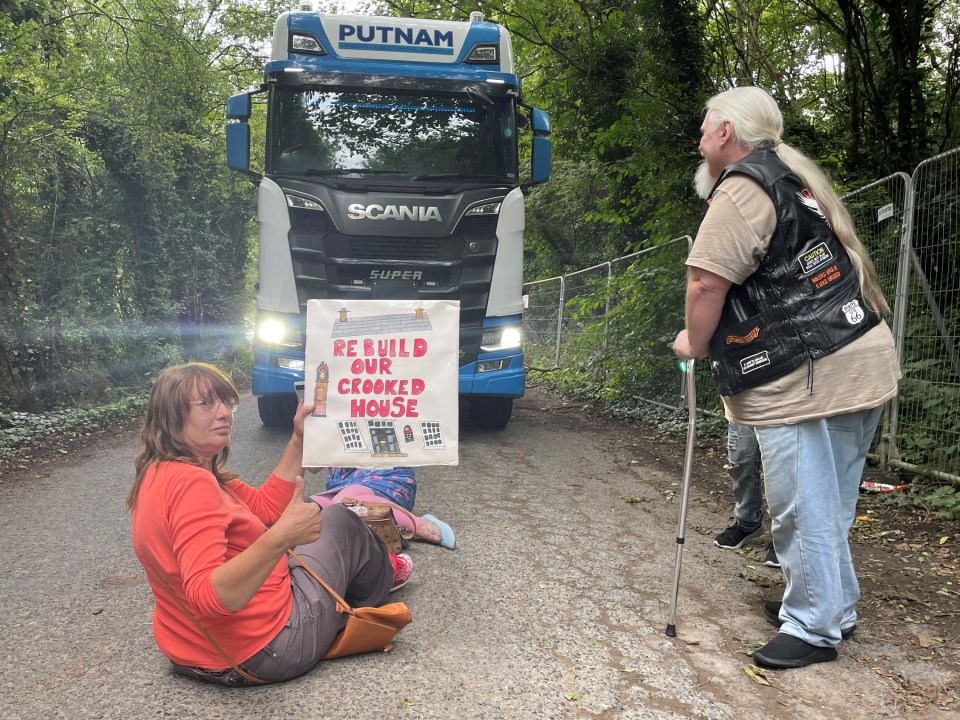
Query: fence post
(870, 206)
(891, 423)
(606, 305)
(556, 354)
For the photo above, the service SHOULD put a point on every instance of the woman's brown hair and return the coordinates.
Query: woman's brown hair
(161, 437)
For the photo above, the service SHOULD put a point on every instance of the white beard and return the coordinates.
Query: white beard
(703, 181)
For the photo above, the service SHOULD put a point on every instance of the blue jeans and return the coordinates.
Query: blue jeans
(812, 474)
(743, 464)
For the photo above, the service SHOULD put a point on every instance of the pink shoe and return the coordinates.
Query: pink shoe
(402, 568)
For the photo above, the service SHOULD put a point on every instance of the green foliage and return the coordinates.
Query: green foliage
(929, 413)
(873, 77)
(618, 331)
(19, 432)
(563, 231)
(124, 240)
(624, 86)
(945, 500)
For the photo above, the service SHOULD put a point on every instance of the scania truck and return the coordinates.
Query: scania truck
(391, 170)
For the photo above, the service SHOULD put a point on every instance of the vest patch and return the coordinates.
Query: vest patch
(744, 339)
(853, 312)
(810, 202)
(825, 277)
(754, 362)
(815, 257)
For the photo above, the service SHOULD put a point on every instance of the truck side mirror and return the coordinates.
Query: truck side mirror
(238, 132)
(542, 149)
(239, 107)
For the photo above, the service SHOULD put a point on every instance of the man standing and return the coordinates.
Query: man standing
(743, 466)
(784, 299)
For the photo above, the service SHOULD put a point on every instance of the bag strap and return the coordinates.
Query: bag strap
(216, 646)
(342, 605)
(405, 534)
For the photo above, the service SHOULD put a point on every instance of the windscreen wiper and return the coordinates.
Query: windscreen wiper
(457, 176)
(352, 171)
(480, 95)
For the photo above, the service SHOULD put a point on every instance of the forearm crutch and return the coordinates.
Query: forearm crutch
(689, 389)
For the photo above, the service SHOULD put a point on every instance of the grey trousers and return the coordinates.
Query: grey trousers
(354, 562)
(743, 464)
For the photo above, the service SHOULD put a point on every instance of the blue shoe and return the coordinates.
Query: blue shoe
(447, 538)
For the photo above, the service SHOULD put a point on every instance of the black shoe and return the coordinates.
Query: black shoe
(735, 536)
(787, 651)
(770, 558)
(771, 609)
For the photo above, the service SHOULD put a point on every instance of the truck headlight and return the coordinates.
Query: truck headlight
(488, 208)
(271, 331)
(501, 338)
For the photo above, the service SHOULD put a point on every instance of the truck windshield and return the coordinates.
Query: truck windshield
(410, 137)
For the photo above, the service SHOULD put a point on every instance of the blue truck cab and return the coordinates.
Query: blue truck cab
(391, 171)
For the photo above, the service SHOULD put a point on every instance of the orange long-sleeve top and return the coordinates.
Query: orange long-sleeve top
(185, 525)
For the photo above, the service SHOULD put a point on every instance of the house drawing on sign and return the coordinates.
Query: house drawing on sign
(352, 437)
(416, 322)
(379, 437)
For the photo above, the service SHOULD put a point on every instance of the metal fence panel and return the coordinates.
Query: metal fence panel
(882, 213)
(646, 311)
(542, 317)
(616, 321)
(929, 431)
(584, 303)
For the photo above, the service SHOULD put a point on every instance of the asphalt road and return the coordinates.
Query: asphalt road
(553, 605)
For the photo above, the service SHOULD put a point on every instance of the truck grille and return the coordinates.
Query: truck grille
(330, 264)
(376, 248)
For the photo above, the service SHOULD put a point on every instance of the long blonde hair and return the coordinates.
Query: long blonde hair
(757, 122)
(161, 437)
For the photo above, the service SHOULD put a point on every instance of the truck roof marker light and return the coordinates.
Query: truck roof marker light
(304, 43)
(484, 54)
(476, 16)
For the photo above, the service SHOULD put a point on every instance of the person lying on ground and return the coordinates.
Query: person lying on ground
(397, 485)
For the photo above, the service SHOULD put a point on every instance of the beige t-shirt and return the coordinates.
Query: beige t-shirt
(732, 240)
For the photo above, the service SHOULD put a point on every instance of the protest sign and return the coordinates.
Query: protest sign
(383, 378)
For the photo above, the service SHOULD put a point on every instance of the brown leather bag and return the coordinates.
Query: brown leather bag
(367, 628)
(378, 516)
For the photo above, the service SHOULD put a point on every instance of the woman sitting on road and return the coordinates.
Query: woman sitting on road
(229, 605)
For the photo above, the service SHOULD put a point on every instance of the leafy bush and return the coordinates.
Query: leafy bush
(20, 431)
(946, 501)
(51, 365)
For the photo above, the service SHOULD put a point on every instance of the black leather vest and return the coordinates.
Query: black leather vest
(804, 300)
